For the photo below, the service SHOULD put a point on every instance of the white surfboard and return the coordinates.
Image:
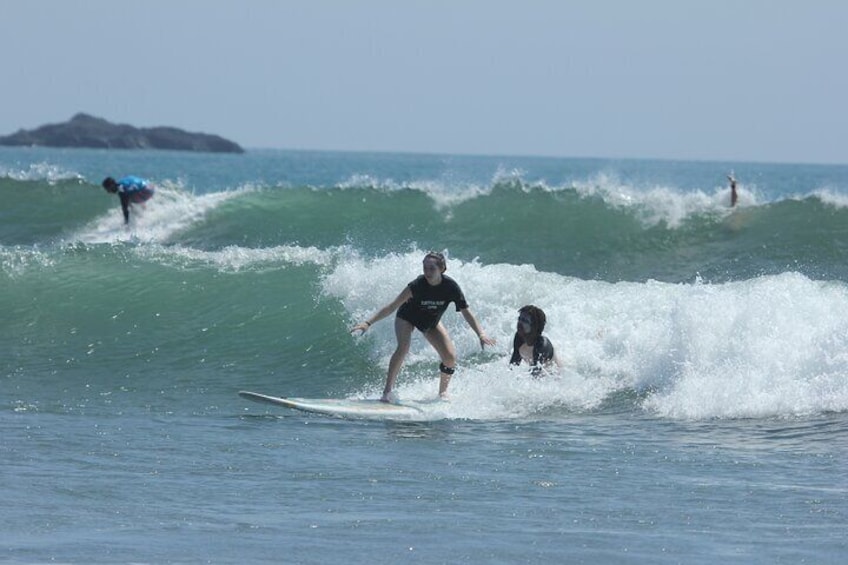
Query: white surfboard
(341, 407)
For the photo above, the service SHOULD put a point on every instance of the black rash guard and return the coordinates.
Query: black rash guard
(543, 352)
(428, 302)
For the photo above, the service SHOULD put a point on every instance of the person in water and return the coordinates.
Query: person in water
(529, 344)
(420, 306)
(130, 189)
(733, 195)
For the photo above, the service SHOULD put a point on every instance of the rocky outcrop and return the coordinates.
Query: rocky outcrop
(87, 131)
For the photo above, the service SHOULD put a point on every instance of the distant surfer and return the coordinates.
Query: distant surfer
(130, 189)
(420, 306)
(529, 344)
(733, 195)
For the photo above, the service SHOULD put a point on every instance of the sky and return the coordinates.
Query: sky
(725, 80)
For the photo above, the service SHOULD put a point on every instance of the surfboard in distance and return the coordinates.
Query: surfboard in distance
(341, 407)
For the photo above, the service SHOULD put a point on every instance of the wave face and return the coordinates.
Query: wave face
(246, 271)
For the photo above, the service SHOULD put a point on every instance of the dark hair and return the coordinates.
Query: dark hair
(110, 184)
(537, 319)
(439, 258)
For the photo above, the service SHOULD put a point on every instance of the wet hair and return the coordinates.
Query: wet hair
(439, 258)
(537, 318)
(110, 184)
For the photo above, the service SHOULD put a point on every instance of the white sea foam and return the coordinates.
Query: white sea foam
(15, 261)
(770, 346)
(235, 258)
(652, 205)
(832, 197)
(171, 210)
(662, 204)
(443, 192)
(39, 171)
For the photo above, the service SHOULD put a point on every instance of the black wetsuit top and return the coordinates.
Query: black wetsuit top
(428, 302)
(543, 352)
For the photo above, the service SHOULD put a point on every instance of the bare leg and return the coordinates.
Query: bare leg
(403, 333)
(441, 342)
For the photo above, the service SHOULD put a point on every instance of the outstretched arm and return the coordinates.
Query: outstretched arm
(362, 327)
(475, 325)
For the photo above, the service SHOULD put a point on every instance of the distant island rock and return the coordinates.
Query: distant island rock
(87, 131)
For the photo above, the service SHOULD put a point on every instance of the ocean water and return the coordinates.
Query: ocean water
(701, 416)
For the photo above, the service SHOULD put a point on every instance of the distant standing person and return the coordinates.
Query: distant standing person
(130, 189)
(420, 306)
(733, 195)
(529, 344)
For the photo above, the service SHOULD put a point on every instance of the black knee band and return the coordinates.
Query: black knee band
(445, 369)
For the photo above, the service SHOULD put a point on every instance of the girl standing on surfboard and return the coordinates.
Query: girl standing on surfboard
(421, 305)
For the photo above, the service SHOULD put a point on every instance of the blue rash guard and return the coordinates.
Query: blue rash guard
(133, 189)
(136, 187)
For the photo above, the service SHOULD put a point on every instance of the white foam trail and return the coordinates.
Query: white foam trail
(234, 258)
(771, 346)
(40, 171)
(492, 391)
(170, 211)
(661, 204)
(831, 197)
(444, 193)
(652, 205)
(15, 261)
